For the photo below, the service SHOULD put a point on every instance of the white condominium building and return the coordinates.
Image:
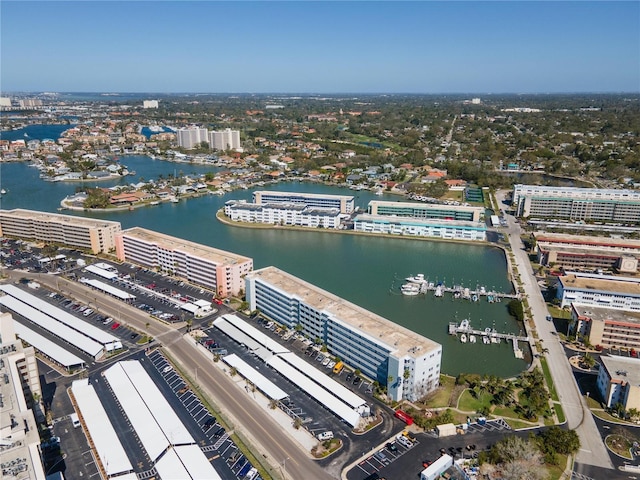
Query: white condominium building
(607, 205)
(619, 381)
(150, 104)
(282, 214)
(226, 139)
(406, 362)
(20, 452)
(345, 203)
(191, 137)
(420, 227)
(426, 210)
(619, 293)
(97, 236)
(212, 268)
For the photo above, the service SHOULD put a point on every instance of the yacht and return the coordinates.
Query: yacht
(439, 292)
(486, 340)
(419, 278)
(410, 289)
(472, 339)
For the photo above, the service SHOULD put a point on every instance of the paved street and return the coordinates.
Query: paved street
(593, 451)
(270, 443)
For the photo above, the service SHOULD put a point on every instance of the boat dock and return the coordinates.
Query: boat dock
(419, 285)
(488, 335)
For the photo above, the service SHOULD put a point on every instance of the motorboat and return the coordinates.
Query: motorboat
(438, 292)
(418, 278)
(410, 289)
(463, 338)
(472, 339)
(486, 340)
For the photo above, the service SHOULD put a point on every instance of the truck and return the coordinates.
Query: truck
(338, 368)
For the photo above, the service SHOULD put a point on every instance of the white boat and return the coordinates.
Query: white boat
(464, 324)
(438, 292)
(474, 297)
(419, 278)
(410, 289)
(495, 339)
(472, 339)
(463, 338)
(486, 340)
(155, 203)
(3, 191)
(174, 200)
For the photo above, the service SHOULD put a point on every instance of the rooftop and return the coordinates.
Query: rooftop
(602, 314)
(401, 340)
(581, 240)
(622, 369)
(424, 206)
(366, 217)
(33, 215)
(302, 195)
(191, 248)
(601, 284)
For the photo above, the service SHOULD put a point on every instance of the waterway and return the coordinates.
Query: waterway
(358, 268)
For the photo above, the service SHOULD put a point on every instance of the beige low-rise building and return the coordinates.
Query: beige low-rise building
(96, 236)
(209, 267)
(605, 326)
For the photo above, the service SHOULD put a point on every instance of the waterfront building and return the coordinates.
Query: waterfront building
(426, 210)
(406, 362)
(606, 205)
(615, 292)
(282, 214)
(18, 409)
(226, 139)
(191, 137)
(96, 236)
(580, 252)
(619, 381)
(345, 203)
(209, 267)
(30, 103)
(150, 104)
(605, 326)
(433, 228)
(5, 102)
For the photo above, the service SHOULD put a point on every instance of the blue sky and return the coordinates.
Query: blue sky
(329, 47)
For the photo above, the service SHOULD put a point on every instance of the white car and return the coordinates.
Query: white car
(325, 362)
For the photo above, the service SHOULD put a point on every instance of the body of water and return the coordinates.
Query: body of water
(364, 270)
(35, 132)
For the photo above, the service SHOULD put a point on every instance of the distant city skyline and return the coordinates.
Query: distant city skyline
(320, 47)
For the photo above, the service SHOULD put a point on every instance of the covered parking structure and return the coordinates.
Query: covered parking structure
(112, 455)
(101, 272)
(156, 424)
(49, 349)
(60, 330)
(61, 316)
(262, 383)
(255, 334)
(110, 289)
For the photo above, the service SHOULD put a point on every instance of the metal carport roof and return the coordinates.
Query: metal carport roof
(46, 346)
(262, 383)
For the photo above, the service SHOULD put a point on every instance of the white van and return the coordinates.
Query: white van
(325, 436)
(251, 474)
(75, 420)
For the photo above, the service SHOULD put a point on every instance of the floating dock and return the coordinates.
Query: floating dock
(492, 335)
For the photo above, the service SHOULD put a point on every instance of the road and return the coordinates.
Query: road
(266, 439)
(579, 418)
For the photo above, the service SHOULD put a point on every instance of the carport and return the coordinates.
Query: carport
(238, 335)
(45, 346)
(111, 290)
(262, 383)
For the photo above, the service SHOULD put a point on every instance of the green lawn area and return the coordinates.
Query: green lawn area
(505, 412)
(556, 472)
(516, 424)
(441, 397)
(559, 412)
(470, 404)
(548, 379)
(619, 445)
(357, 138)
(556, 312)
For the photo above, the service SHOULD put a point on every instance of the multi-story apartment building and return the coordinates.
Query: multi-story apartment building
(605, 205)
(605, 326)
(619, 293)
(619, 381)
(344, 203)
(20, 406)
(426, 210)
(282, 214)
(406, 362)
(191, 137)
(434, 228)
(97, 236)
(581, 252)
(206, 266)
(226, 139)
(150, 104)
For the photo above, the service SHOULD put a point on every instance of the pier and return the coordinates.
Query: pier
(491, 335)
(419, 285)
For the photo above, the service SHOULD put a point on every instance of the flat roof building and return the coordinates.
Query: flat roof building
(97, 236)
(605, 326)
(226, 139)
(607, 205)
(19, 437)
(581, 252)
(210, 267)
(345, 203)
(620, 293)
(291, 214)
(191, 137)
(619, 381)
(426, 210)
(420, 227)
(406, 362)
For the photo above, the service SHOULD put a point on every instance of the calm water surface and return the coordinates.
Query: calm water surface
(364, 270)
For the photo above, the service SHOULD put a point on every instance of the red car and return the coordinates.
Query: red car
(114, 326)
(217, 301)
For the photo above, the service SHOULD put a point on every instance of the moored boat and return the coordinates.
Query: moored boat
(463, 338)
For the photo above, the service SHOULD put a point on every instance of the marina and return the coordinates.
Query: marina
(419, 285)
(489, 336)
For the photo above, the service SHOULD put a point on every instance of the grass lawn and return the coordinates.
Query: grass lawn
(505, 412)
(556, 472)
(559, 412)
(441, 397)
(470, 404)
(517, 424)
(556, 312)
(619, 445)
(548, 379)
